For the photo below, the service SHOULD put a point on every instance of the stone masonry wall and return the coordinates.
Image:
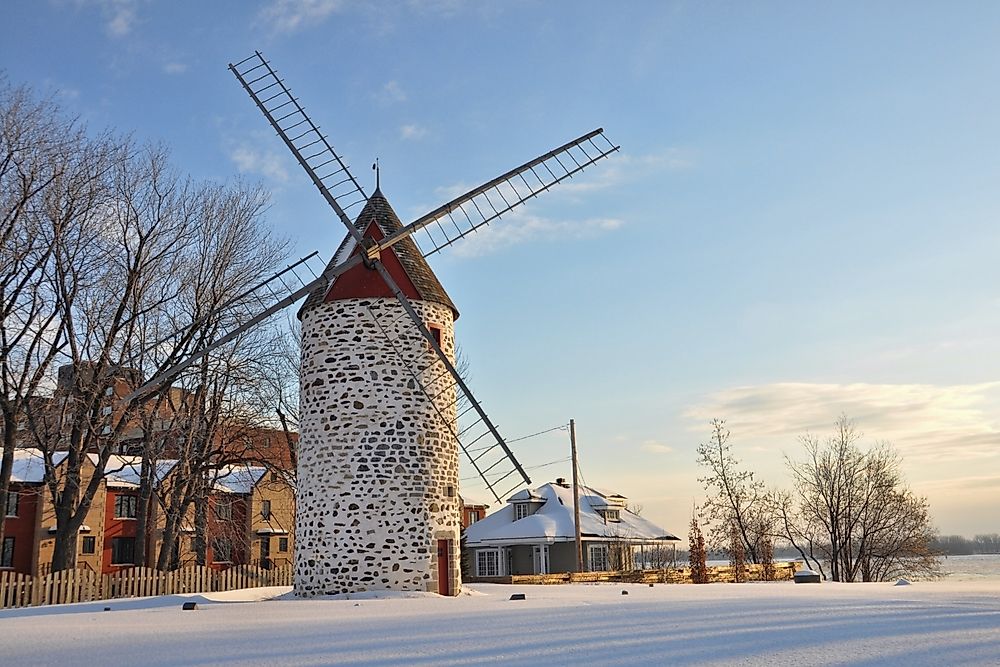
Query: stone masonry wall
(378, 465)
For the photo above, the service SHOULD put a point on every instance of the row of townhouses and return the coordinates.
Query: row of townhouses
(249, 519)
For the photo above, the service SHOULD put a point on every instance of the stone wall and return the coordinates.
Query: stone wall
(378, 462)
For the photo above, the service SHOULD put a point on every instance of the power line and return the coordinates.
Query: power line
(561, 427)
(540, 465)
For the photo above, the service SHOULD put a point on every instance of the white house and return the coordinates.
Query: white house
(535, 533)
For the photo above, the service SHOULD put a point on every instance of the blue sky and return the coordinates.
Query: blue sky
(801, 222)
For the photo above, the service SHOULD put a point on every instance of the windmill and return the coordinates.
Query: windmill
(384, 410)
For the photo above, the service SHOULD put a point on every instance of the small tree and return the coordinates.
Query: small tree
(737, 556)
(767, 558)
(697, 555)
(736, 499)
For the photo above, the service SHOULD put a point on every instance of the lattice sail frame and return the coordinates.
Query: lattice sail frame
(486, 451)
(439, 229)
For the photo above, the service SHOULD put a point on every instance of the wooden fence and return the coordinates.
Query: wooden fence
(679, 575)
(21, 590)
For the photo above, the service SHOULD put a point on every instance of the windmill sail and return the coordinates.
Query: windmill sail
(440, 228)
(310, 147)
(247, 310)
(480, 206)
(472, 429)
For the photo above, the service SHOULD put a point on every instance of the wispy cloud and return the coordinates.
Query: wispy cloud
(412, 132)
(622, 168)
(123, 16)
(268, 164)
(119, 16)
(519, 227)
(290, 15)
(391, 93)
(655, 447)
(929, 422)
(175, 68)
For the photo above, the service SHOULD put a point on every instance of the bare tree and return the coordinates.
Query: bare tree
(869, 525)
(37, 146)
(736, 500)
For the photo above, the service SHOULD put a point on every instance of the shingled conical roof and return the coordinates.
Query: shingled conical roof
(411, 260)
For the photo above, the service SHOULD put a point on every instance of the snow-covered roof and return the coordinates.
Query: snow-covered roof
(239, 478)
(29, 466)
(124, 472)
(553, 521)
(526, 495)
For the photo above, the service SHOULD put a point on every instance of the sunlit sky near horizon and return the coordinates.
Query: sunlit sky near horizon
(802, 221)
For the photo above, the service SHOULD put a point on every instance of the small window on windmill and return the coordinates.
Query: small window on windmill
(436, 333)
(449, 491)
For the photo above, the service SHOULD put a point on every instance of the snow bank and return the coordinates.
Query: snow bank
(718, 624)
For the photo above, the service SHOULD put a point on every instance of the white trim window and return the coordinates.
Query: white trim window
(521, 510)
(597, 557)
(489, 563)
(13, 498)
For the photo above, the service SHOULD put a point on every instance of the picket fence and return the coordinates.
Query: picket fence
(21, 590)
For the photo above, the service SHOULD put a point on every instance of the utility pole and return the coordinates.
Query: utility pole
(576, 496)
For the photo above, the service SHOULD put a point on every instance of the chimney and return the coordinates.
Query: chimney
(561, 481)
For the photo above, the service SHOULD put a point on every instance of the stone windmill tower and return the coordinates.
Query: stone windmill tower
(384, 412)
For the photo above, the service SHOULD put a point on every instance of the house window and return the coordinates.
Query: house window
(612, 515)
(13, 497)
(7, 553)
(222, 550)
(521, 510)
(488, 563)
(265, 509)
(106, 410)
(473, 516)
(122, 550)
(224, 509)
(125, 506)
(282, 544)
(89, 545)
(597, 557)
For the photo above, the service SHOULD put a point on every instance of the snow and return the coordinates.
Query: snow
(238, 478)
(553, 521)
(936, 623)
(29, 466)
(124, 472)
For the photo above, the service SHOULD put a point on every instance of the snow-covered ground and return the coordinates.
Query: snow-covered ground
(938, 623)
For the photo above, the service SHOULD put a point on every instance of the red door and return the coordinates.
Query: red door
(444, 567)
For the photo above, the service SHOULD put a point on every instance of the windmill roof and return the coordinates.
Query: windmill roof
(417, 269)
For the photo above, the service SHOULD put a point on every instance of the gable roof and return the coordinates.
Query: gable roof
(378, 210)
(238, 478)
(125, 472)
(553, 521)
(29, 465)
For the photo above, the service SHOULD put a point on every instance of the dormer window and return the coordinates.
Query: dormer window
(612, 515)
(521, 510)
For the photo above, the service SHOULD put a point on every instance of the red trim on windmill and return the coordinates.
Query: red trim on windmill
(361, 282)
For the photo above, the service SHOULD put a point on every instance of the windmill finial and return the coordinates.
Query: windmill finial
(375, 167)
